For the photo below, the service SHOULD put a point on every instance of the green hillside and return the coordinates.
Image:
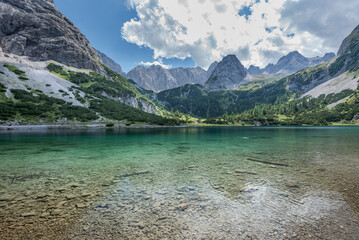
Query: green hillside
(99, 101)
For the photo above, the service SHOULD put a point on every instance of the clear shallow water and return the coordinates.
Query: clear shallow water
(181, 183)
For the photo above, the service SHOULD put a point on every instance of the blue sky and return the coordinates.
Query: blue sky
(101, 23)
(258, 32)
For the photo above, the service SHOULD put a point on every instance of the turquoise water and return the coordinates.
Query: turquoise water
(180, 183)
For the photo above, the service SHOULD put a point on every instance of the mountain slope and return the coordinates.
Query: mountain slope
(202, 102)
(352, 38)
(228, 74)
(154, 78)
(111, 64)
(189, 75)
(211, 69)
(157, 78)
(343, 67)
(48, 92)
(50, 72)
(35, 28)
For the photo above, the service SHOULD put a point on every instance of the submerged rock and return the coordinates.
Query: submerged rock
(61, 189)
(239, 171)
(80, 205)
(29, 214)
(74, 185)
(41, 195)
(56, 212)
(44, 215)
(249, 189)
(6, 198)
(60, 204)
(291, 184)
(85, 194)
(182, 206)
(70, 196)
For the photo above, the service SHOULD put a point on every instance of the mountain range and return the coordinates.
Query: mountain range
(50, 72)
(157, 78)
(291, 63)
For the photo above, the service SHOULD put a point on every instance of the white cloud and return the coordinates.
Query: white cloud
(207, 30)
(158, 61)
(329, 20)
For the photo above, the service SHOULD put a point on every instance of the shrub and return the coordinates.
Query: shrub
(110, 124)
(2, 88)
(15, 70)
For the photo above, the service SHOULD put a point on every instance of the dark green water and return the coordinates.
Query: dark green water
(181, 183)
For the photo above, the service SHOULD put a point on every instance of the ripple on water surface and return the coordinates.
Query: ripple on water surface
(197, 183)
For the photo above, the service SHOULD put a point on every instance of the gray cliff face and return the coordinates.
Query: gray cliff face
(189, 75)
(211, 69)
(154, 78)
(35, 28)
(157, 78)
(291, 63)
(347, 41)
(228, 74)
(253, 70)
(139, 103)
(111, 64)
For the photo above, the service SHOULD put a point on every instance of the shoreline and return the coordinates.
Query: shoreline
(72, 126)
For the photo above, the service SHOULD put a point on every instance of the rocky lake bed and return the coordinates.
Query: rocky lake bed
(181, 183)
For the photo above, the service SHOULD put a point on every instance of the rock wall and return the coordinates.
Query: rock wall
(35, 28)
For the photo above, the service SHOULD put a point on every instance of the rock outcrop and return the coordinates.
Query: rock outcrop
(35, 28)
(347, 41)
(154, 78)
(111, 64)
(228, 74)
(254, 70)
(157, 78)
(211, 69)
(185, 76)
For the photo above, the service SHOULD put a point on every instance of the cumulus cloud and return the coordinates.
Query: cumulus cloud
(158, 61)
(257, 31)
(328, 20)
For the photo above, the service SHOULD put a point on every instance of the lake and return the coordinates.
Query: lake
(180, 183)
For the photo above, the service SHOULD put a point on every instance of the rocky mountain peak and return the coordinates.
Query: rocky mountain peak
(291, 58)
(328, 56)
(231, 60)
(294, 54)
(254, 70)
(36, 29)
(228, 74)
